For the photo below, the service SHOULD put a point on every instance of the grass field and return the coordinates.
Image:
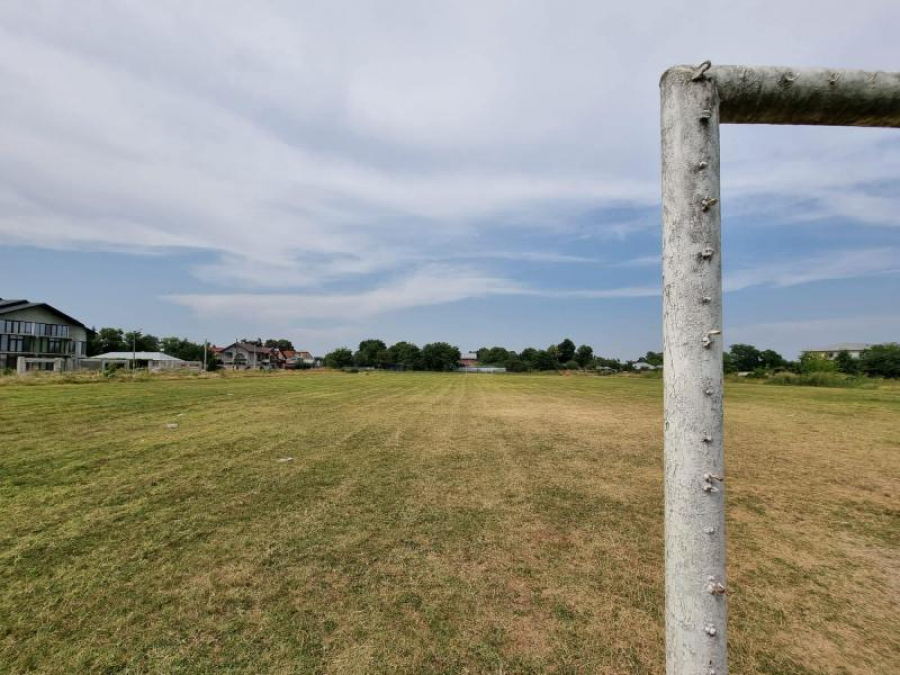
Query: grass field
(429, 523)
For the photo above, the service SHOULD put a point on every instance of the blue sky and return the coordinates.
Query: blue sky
(482, 173)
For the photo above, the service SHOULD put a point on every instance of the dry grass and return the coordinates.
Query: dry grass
(429, 523)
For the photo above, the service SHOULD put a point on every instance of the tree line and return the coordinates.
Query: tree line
(442, 356)
(562, 356)
(877, 361)
(436, 356)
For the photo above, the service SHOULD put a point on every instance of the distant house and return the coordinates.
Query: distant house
(468, 359)
(149, 360)
(277, 358)
(854, 349)
(243, 356)
(291, 358)
(41, 334)
(641, 365)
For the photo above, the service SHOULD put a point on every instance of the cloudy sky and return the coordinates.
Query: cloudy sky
(478, 172)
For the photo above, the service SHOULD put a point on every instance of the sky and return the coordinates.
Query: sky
(482, 173)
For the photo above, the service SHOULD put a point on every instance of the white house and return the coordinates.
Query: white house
(854, 349)
(243, 356)
(149, 360)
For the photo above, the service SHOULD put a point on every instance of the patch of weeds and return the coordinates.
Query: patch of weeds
(751, 502)
(562, 612)
(881, 523)
(779, 664)
(561, 505)
(410, 599)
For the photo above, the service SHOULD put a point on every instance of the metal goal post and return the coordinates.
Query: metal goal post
(695, 100)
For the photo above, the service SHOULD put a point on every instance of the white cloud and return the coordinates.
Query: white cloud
(440, 284)
(428, 286)
(306, 144)
(837, 265)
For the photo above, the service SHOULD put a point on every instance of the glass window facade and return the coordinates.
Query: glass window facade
(26, 337)
(14, 327)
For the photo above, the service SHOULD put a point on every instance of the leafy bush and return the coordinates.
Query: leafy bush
(813, 363)
(821, 379)
(516, 366)
(339, 358)
(881, 360)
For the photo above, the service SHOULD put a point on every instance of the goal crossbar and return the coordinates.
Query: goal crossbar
(694, 101)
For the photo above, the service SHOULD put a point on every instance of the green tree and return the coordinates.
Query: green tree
(440, 356)
(108, 340)
(653, 358)
(601, 362)
(406, 356)
(847, 364)
(745, 358)
(527, 357)
(515, 365)
(495, 356)
(139, 342)
(544, 359)
(281, 344)
(813, 363)
(881, 360)
(182, 348)
(728, 363)
(565, 351)
(369, 354)
(339, 358)
(584, 355)
(772, 360)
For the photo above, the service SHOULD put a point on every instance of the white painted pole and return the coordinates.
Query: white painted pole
(692, 374)
(694, 101)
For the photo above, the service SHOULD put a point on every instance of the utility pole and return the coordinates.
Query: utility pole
(133, 350)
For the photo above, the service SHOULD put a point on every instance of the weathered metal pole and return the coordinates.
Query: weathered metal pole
(692, 323)
(694, 101)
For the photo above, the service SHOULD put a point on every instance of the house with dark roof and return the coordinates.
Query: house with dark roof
(41, 334)
(244, 356)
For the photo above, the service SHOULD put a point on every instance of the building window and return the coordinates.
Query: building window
(15, 343)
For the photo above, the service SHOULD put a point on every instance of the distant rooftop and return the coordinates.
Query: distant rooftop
(8, 305)
(841, 347)
(138, 356)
